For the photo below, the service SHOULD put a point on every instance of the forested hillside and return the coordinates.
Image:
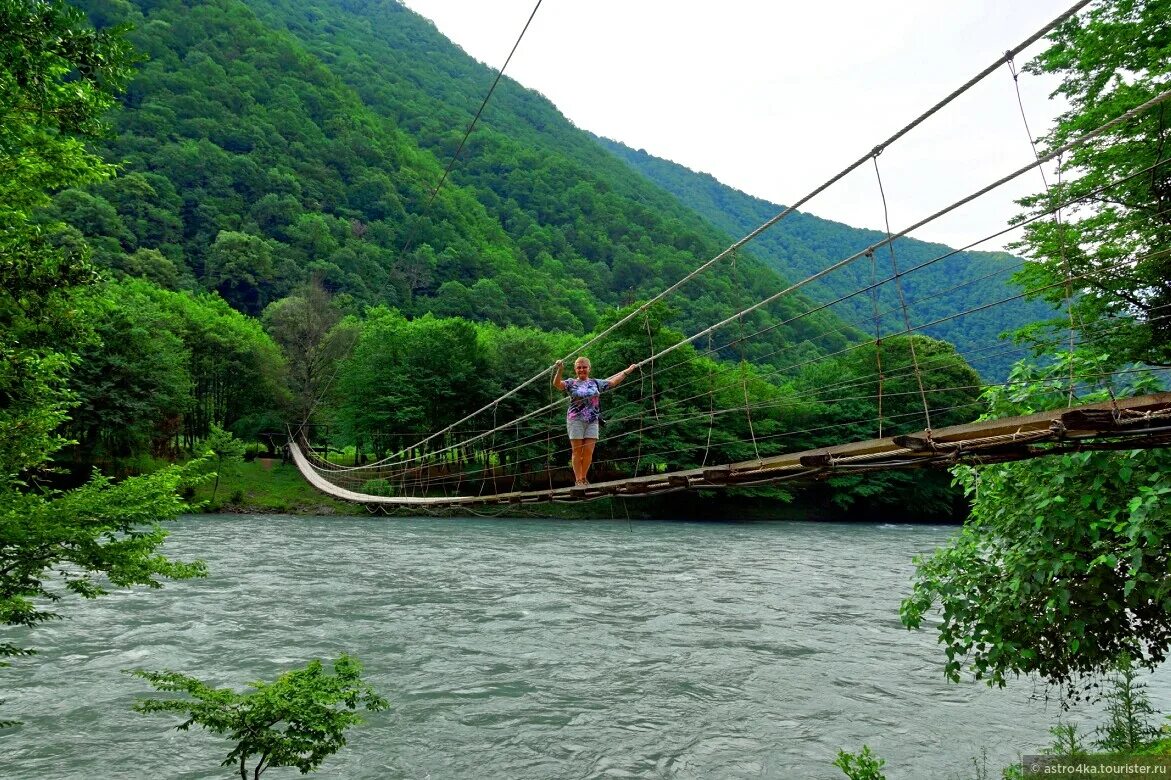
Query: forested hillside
(802, 244)
(274, 251)
(267, 140)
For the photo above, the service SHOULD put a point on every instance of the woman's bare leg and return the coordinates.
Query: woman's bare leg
(578, 470)
(587, 456)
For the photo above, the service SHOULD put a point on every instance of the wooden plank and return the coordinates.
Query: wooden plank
(718, 474)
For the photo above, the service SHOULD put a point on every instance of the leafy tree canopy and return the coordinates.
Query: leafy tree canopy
(1114, 249)
(298, 720)
(1063, 564)
(57, 78)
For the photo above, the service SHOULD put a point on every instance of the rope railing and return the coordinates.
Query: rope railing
(817, 398)
(861, 381)
(1159, 404)
(793, 403)
(795, 366)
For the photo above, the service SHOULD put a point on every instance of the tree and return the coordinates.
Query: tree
(224, 450)
(235, 367)
(1115, 244)
(1130, 726)
(1062, 566)
(240, 268)
(132, 382)
(58, 77)
(306, 327)
(101, 533)
(298, 720)
(153, 265)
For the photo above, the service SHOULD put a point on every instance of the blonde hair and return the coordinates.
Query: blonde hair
(582, 359)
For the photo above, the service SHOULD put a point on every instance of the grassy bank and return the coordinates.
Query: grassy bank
(268, 486)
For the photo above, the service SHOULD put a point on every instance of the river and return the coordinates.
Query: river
(532, 649)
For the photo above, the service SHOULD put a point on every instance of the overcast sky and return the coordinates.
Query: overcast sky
(773, 98)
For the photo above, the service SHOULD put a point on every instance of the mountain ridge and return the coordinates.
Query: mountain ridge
(284, 138)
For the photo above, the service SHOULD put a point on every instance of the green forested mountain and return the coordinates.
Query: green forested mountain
(266, 140)
(802, 244)
(264, 143)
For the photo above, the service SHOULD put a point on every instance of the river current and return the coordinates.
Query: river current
(533, 649)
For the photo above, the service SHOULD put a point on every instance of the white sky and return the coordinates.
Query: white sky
(773, 98)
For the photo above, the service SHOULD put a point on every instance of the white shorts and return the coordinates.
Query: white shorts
(580, 429)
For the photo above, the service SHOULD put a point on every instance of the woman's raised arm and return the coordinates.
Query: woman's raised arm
(617, 378)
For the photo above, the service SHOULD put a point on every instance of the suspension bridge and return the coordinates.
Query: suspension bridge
(1131, 423)
(466, 464)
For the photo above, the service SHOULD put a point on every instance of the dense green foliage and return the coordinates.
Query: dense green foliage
(56, 80)
(1116, 247)
(163, 369)
(863, 765)
(266, 141)
(1062, 566)
(854, 405)
(802, 244)
(57, 77)
(686, 410)
(298, 720)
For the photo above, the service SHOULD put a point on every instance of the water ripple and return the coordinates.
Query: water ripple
(531, 649)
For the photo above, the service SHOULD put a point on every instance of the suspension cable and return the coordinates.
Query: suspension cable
(894, 265)
(1056, 218)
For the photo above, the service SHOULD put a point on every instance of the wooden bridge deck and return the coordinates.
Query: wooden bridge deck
(1132, 423)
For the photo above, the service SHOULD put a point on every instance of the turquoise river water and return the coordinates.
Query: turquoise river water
(533, 649)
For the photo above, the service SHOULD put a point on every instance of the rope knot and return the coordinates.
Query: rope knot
(1011, 65)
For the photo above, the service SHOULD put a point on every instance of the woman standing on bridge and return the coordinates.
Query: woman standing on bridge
(585, 410)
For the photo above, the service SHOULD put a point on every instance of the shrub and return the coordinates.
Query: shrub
(863, 766)
(297, 720)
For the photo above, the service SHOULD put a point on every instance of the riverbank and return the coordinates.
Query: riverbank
(267, 486)
(271, 486)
